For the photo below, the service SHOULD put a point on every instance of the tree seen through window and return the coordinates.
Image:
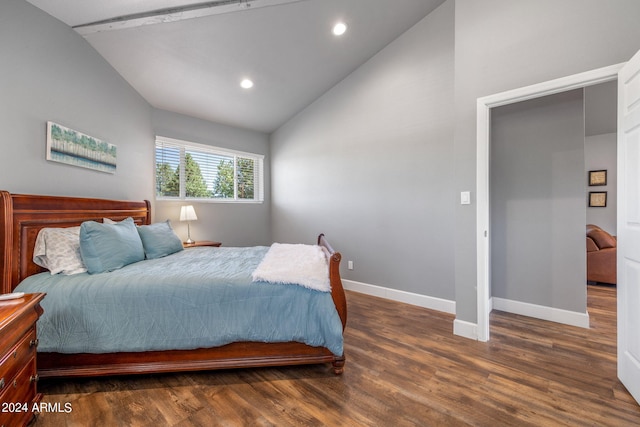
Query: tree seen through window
(205, 175)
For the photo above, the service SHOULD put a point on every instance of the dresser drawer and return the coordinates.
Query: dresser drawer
(16, 358)
(18, 397)
(18, 379)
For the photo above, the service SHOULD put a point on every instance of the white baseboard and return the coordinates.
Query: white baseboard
(424, 301)
(465, 329)
(572, 318)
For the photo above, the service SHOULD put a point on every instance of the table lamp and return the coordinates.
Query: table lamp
(187, 213)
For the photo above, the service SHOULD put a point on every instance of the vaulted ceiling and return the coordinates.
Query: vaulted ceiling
(189, 57)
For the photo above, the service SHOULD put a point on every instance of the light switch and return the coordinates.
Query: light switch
(465, 198)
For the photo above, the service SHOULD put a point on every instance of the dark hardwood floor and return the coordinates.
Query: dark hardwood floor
(404, 368)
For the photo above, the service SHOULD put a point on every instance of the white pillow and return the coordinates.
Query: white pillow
(58, 250)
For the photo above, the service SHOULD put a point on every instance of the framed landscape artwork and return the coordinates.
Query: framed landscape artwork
(68, 146)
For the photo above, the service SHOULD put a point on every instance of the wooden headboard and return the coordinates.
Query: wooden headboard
(22, 216)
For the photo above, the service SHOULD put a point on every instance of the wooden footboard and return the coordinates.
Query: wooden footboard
(337, 291)
(22, 216)
(230, 356)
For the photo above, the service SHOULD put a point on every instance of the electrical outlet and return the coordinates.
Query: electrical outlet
(350, 265)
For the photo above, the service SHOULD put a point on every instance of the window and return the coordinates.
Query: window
(186, 170)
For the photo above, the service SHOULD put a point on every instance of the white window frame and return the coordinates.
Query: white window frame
(183, 146)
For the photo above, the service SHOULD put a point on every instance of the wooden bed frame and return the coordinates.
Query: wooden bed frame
(22, 216)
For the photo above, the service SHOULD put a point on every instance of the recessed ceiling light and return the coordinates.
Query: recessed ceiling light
(246, 83)
(339, 29)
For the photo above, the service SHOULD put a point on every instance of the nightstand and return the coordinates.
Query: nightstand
(18, 374)
(201, 243)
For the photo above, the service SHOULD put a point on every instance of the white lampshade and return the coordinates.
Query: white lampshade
(187, 213)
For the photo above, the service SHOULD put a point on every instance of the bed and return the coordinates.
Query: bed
(23, 216)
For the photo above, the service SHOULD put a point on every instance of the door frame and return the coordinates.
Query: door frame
(483, 141)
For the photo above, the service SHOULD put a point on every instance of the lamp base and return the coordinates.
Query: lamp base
(189, 241)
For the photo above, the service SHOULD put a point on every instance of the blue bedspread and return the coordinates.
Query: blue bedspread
(199, 297)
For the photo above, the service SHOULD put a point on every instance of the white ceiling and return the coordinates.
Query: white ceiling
(193, 66)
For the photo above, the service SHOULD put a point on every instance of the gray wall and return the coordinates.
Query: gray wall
(601, 152)
(49, 72)
(233, 224)
(537, 202)
(369, 164)
(601, 125)
(505, 44)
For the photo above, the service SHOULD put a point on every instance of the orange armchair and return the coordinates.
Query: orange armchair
(601, 255)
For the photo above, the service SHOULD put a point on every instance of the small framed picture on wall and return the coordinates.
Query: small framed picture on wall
(597, 177)
(597, 199)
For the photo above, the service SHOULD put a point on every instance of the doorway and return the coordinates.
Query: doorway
(485, 105)
(541, 151)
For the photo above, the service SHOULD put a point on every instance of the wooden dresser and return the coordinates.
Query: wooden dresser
(18, 342)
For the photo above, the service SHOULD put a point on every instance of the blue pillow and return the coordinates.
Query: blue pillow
(159, 240)
(108, 247)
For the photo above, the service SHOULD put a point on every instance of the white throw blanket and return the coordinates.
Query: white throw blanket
(304, 265)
